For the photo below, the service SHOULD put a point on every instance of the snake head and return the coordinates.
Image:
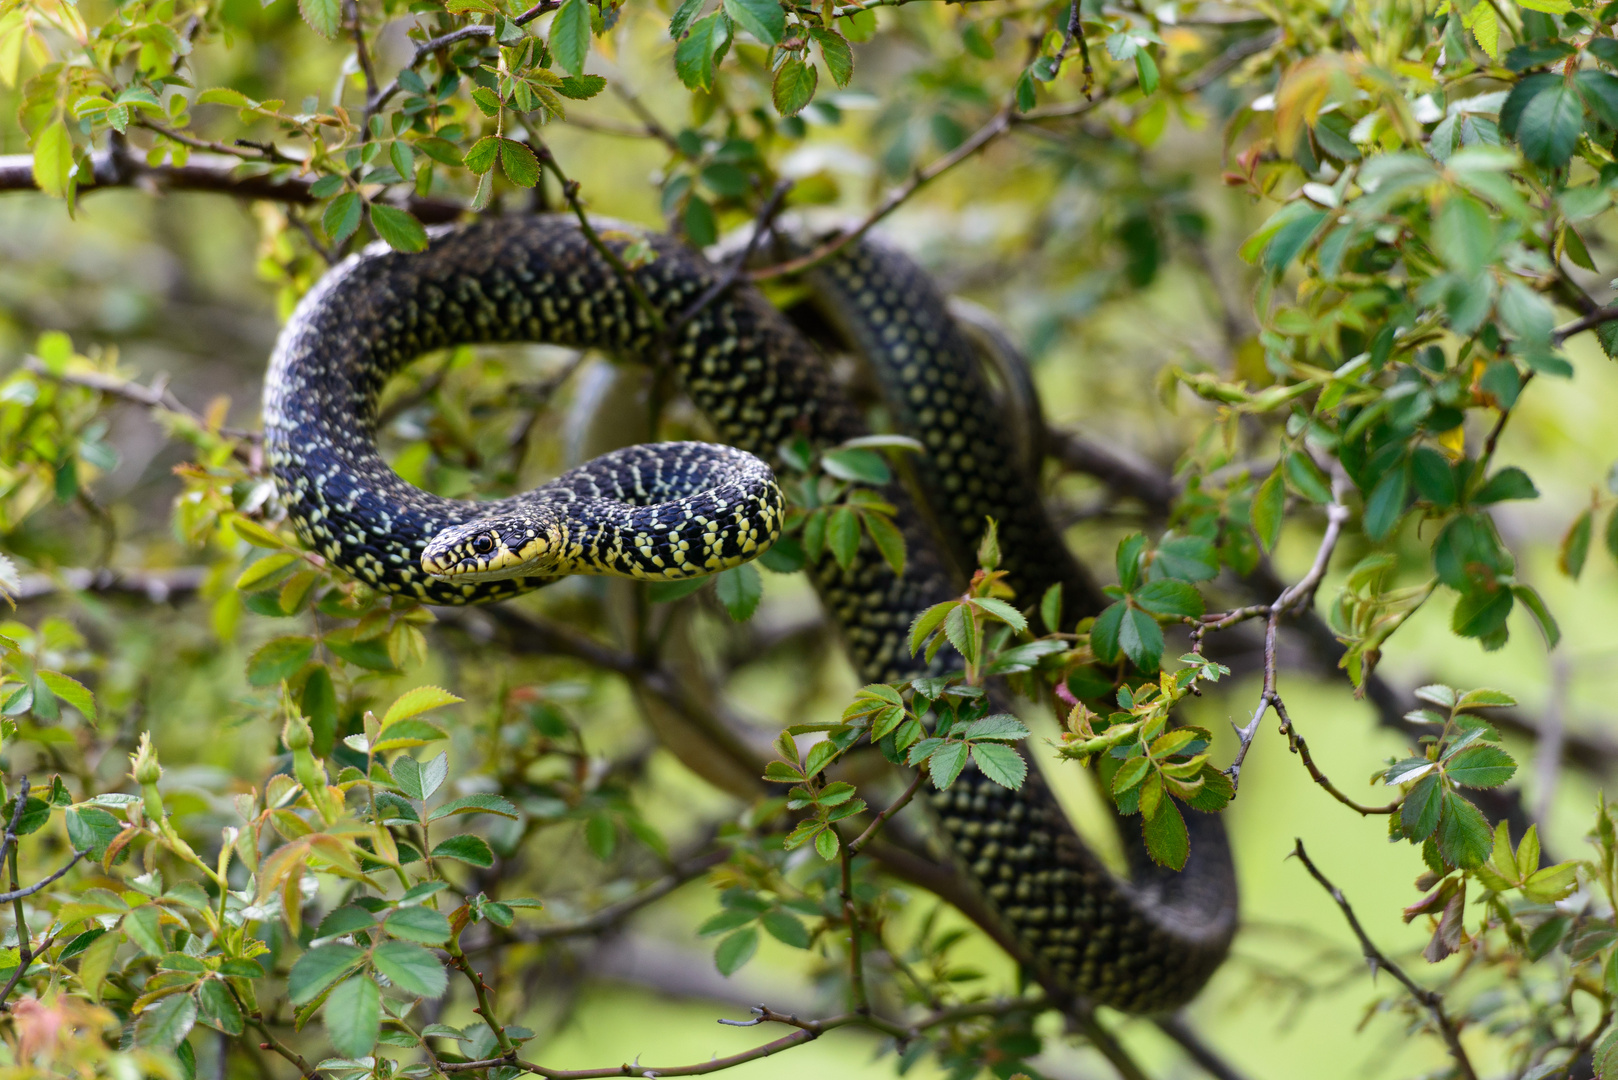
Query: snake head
(488, 549)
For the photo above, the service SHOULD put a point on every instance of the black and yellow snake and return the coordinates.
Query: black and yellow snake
(1146, 944)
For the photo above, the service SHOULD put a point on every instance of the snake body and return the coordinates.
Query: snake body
(1144, 945)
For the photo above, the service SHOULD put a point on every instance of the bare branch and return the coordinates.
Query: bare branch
(1431, 1000)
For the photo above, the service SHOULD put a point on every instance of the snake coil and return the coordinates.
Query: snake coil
(1145, 944)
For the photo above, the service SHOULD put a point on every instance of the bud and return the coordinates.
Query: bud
(989, 546)
(296, 733)
(147, 772)
(144, 765)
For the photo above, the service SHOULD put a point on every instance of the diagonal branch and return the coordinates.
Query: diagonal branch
(1431, 1000)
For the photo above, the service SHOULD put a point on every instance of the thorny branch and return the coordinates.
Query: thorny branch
(1431, 1000)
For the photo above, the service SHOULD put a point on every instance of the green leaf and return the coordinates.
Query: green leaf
(467, 849)
(1141, 639)
(411, 968)
(843, 535)
(695, 59)
(344, 920)
(1422, 806)
(403, 734)
(1105, 631)
(582, 87)
(857, 465)
(786, 927)
(688, 10)
(1480, 613)
(484, 153)
(90, 828)
(888, 540)
(736, 950)
(319, 968)
(601, 836)
(999, 762)
(1551, 125)
(930, 620)
(1464, 836)
(53, 158)
(1002, 727)
(1542, 615)
(417, 923)
(570, 36)
(481, 803)
(1508, 483)
(164, 1025)
(964, 633)
(354, 1017)
(764, 19)
(71, 691)
(794, 84)
(342, 216)
(1146, 71)
(826, 844)
(836, 52)
(517, 161)
(1002, 611)
(324, 16)
(415, 702)
(1167, 842)
(739, 589)
(399, 228)
(1050, 609)
(1386, 503)
(217, 1008)
(1269, 505)
(946, 764)
(1175, 599)
(1599, 89)
(278, 659)
(1480, 767)
(1435, 480)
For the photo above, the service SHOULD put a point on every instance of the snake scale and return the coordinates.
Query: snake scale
(1146, 944)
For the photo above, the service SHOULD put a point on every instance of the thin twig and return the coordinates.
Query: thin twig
(8, 855)
(1431, 1000)
(1589, 321)
(1297, 745)
(1176, 1028)
(893, 808)
(29, 890)
(432, 45)
(360, 52)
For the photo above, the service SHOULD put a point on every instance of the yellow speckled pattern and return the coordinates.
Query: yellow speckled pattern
(1145, 944)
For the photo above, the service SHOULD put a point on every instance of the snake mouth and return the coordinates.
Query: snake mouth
(480, 551)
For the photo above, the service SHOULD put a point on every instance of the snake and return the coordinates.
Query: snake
(1144, 943)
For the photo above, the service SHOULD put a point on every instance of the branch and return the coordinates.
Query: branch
(1431, 1000)
(116, 168)
(610, 916)
(156, 396)
(29, 890)
(432, 45)
(1589, 321)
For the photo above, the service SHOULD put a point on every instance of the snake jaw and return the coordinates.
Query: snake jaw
(491, 549)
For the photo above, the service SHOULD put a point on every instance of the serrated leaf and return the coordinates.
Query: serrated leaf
(836, 52)
(695, 60)
(570, 36)
(217, 1008)
(999, 727)
(353, 1016)
(929, 621)
(1464, 836)
(946, 763)
(71, 691)
(1000, 763)
(418, 923)
(764, 19)
(1269, 505)
(163, 1026)
(417, 701)
(278, 659)
(1175, 599)
(342, 216)
(1422, 807)
(1576, 546)
(793, 86)
(519, 164)
(735, 950)
(786, 927)
(411, 968)
(481, 803)
(399, 228)
(319, 968)
(1551, 124)
(843, 535)
(1167, 842)
(324, 16)
(1141, 639)
(467, 849)
(739, 590)
(1480, 767)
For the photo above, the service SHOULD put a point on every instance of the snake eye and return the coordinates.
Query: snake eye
(483, 543)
